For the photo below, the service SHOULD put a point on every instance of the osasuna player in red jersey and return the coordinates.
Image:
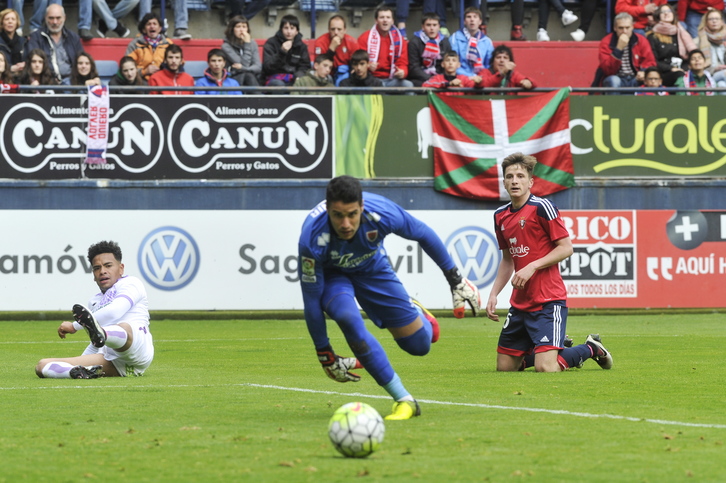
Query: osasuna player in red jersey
(533, 240)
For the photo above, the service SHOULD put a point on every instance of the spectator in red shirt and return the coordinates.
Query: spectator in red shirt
(641, 11)
(449, 78)
(387, 50)
(502, 73)
(623, 56)
(171, 74)
(339, 44)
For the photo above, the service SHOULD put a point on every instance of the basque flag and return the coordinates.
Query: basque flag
(471, 137)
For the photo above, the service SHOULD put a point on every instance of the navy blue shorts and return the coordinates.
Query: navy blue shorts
(381, 295)
(542, 330)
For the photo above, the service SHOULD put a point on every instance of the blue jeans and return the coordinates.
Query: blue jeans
(85, 14)
(110, 17)
(719, 78)
(38, 17)
(615, 82)
(438, 7)
(691, 22)
(181, 15)
(398, 83)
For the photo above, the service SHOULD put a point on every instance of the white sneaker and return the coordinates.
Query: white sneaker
(568, 18)
(578, 35)
(542, 36)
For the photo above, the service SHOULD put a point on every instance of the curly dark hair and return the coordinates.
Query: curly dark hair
(104, 247)
(150, 16)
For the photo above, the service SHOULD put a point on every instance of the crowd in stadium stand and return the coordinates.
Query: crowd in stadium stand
(647, 37)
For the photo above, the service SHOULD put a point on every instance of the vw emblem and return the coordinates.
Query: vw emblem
(168, 258)
(476, 252)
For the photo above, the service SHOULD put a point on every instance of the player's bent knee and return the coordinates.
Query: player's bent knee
(416, 344)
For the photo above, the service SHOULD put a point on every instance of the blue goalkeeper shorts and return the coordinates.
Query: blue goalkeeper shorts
(381, 295)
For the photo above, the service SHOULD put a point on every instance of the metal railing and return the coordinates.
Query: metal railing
(63, 89)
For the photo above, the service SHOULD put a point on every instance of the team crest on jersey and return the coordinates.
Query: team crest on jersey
(372, 235)
(308, 270)
(522, 222)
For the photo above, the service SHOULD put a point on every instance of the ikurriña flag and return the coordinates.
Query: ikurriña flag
(471, 138)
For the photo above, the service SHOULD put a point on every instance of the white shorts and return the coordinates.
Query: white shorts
(138, 357)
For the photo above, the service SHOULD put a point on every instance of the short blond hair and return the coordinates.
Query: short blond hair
(7, 12)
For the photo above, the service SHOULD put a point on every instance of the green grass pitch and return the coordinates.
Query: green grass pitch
(246, 400)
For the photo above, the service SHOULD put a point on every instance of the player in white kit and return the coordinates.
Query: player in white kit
(117, 324)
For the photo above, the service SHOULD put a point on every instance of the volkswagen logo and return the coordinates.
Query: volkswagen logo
(476, 252)
(168, 258)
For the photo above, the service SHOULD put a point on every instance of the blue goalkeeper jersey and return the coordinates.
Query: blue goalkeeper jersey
(321, 252)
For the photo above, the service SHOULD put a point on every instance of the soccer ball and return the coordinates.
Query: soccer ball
(356, 430)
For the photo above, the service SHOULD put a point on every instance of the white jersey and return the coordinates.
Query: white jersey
(125, 301)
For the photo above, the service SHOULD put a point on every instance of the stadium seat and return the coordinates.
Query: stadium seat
(320, 5)
(195, 68)
(106, 69)
(357, 7)
(199, 5)
(273, 7)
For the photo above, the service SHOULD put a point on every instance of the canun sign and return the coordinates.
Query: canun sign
(159, 137)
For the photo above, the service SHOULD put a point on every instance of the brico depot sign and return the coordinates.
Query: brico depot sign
(646, 258)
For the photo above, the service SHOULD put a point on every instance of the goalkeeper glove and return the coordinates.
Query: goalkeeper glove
(463, 292)
(337, 367)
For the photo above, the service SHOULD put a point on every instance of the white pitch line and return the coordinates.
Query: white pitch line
(428, 401)
(245, 339)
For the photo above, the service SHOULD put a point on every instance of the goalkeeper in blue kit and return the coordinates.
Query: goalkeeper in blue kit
(342, 260)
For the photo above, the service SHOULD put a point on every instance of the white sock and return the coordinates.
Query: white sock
(116, 336)
(57, 370)
(406, 398)
(90, 349)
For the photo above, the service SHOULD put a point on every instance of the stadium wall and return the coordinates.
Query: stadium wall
(589, 194)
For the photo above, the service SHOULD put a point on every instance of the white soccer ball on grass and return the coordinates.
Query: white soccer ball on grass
(356, 430)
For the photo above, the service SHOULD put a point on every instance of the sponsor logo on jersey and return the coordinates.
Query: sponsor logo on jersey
(517, 251)
(308, 270)
(476, 254)
(169, 258)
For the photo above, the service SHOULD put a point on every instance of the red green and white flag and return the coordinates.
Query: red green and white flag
(471, 138)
